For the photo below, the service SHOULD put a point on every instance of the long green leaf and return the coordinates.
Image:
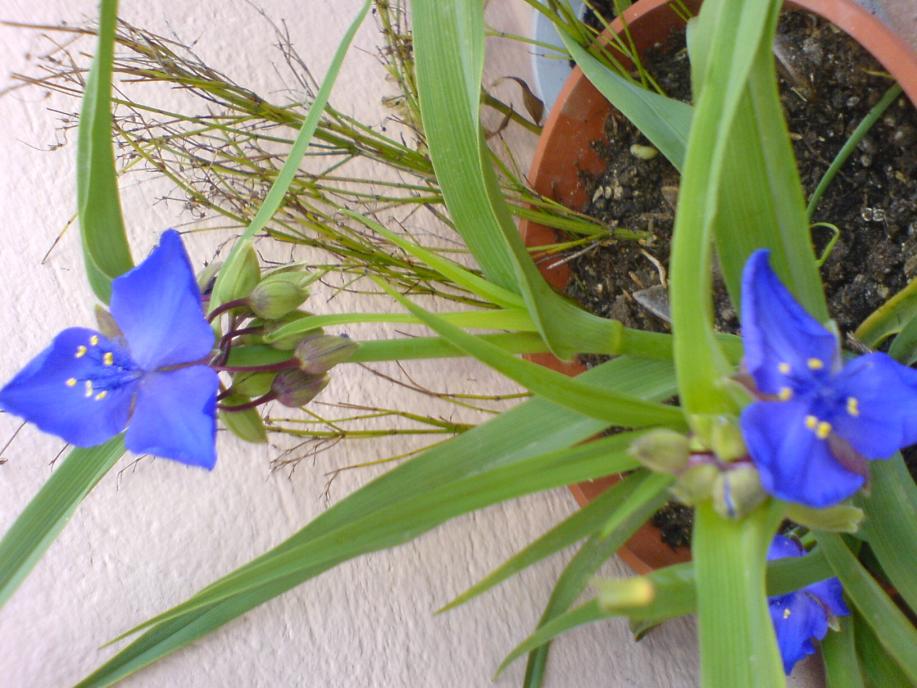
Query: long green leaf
(105, 249)
(647, 497)
(879, 670)
(664, 121)
(570, 392)
(894, 631)
(890, 526)
(838, 651)
(904, 347)
(890, 318)
(737, 643)
(674, 596)
(48, 512)
(734, 30)
(534, 427)
(581, 524)
(447, 268)
(448, 40)
(281, 185)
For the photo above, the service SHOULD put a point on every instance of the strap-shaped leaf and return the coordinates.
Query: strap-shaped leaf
(48, 512)
(278, 190)
(895, 632)
(534, 427)
(448, 44)
(105, 249)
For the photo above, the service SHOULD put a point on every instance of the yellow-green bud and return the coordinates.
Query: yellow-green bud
(289, 342)
(321, 352)
(843, 518)
(662, 450)
(278, 294)
(737, 492)
(207, 276)
(695, 484)
(294, 388)
(624, 593)
(726, 440)
(252, 384)
(239, 283)
(246, 425)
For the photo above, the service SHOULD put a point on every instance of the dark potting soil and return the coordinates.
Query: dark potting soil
(828, 85)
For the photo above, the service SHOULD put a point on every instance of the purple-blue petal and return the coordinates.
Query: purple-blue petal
(798, 620)
(80, 413)
(831, 594)
(175, 416)
(783, 547)
(777, 330)
(157, 305)
(886, 405)
(793, 463)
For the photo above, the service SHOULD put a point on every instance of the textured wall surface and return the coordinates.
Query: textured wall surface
(154, 532)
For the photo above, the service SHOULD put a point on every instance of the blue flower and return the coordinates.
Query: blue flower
(86, 388)
(818, 419)
(802, 616)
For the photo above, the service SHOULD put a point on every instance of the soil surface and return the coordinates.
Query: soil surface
(828, 85)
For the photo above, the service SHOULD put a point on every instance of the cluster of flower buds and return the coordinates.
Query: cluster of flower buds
(711, 465)
(290, 369)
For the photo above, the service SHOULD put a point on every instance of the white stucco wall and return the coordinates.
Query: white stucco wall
(155, 532)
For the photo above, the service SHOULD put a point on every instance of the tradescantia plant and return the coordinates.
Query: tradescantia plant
(773, 426)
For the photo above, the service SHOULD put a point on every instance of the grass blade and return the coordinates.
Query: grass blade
(106, 253)
(48, 512)
(570, 392)
(664, 121)
(534, 427)
(895, 632)
(278, 190)
(838, 651)
(890, 318)
(581, 524)
(890, 526)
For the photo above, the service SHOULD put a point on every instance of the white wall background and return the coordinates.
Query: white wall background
(152, 534)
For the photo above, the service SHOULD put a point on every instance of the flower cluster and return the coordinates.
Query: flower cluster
(805, 615)
(817, 419)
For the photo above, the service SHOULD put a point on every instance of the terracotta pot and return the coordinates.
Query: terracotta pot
(565, 149)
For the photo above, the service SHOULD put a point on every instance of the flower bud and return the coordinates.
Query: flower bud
(247, 424)
(278, 294)
(289, 342)
(843, 518)
(207, 277)
(737, 492)
(624, 593)
(252, 384)
(239, 283)
(661, 450)
(695, 484)
(294, 388)
(726, 440)
(321, 352)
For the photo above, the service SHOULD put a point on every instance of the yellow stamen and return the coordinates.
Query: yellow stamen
(785, 394)
(94, 340)
(811, 422)
(88, 386)
(101, 395)
(71, 382)
(815, 363)
(784, 368)
(787, 613)
(108, 359)
(80, 351)
(853, 406)
(823, 430)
